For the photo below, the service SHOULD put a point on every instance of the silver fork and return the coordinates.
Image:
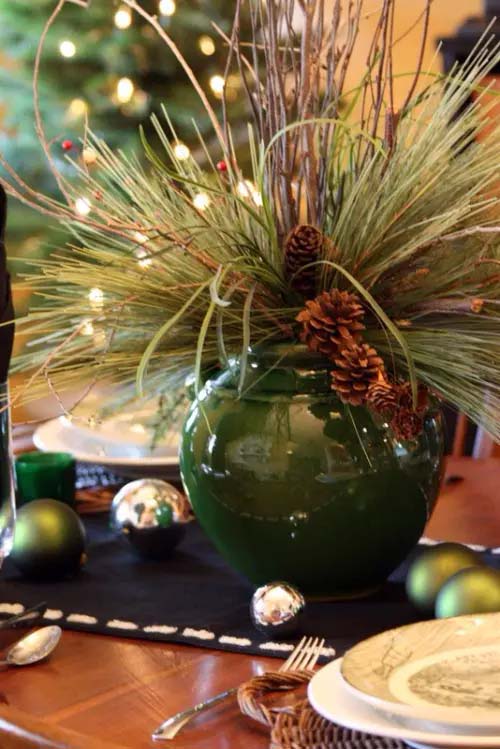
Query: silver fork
(304, 657)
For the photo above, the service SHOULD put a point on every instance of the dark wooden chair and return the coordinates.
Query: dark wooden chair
(483, 446)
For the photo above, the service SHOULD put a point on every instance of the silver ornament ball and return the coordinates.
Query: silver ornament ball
(152, 514)
(277, 609)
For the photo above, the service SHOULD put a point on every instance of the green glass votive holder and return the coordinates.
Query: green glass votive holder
(46, 476)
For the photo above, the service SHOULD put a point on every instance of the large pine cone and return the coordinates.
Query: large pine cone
(303, 246)
(356, 369)
(331, 321)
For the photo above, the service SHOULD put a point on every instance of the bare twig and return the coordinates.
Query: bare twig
(153, 21)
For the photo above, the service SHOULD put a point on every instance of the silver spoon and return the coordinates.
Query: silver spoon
(33, 648)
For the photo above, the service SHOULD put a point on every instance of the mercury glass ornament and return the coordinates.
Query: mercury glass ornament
(153, 515)
(277, 609)
(472, 591)
(432, 568)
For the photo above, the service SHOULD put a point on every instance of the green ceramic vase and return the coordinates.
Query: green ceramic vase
(291, 484)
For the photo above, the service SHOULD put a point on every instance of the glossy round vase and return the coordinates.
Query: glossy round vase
(291, 484)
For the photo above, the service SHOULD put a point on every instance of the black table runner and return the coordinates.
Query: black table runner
(193, 598)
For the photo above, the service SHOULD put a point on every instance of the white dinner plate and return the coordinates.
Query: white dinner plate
(89, 446)
(129, 426)
(446, 671)
(329, 696)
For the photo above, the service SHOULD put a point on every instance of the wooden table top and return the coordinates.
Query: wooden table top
(108, 691)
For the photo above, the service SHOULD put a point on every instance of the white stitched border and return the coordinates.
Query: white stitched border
(328, 652)
(281, 646)
(119, 624)
(53, 614)
(81, 619)
(241, 642)
(11, 608)
(424, 541)
(161, 629)
(199, 634)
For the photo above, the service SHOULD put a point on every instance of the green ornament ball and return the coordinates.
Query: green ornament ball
(472, 591)
(432, 568)
(49, 540)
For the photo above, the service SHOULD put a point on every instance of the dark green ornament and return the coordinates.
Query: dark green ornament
(472, 591)
(49, 541)
(432, 568)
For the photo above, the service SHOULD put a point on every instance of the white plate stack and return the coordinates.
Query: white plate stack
(121, 443)
(432, 684)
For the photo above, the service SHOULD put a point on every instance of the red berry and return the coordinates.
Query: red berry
(222, 166)
(67, 145)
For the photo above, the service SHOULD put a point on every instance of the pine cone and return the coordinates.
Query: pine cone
(356, 369)
(331, 321)
(406, 424)
(303, 246)
(383, 396)
(405, 398)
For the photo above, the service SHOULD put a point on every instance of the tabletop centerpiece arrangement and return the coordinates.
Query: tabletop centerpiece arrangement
(325, 302)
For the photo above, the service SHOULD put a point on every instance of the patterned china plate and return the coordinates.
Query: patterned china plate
(444, 671)
(331, 698)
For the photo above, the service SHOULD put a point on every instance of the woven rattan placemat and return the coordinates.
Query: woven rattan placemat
(298, 726)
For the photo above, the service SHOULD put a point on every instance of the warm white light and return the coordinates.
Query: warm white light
(181, 152)
(77, 108)
(247, 189)
(138, 428)
(67, 48)
(83, 206)
(217, 84)
(201, 201)
(244, 189)
(140, 237)
(87, 328)
(123, 17)
(124, 90)
(206, 45)
(167, 7)
(143, 258)
(89, 156)
(96, 298)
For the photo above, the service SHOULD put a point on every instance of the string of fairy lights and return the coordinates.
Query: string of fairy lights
(126, 89)
(125, 92)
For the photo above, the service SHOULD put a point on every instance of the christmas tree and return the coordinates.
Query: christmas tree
(102, 64)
